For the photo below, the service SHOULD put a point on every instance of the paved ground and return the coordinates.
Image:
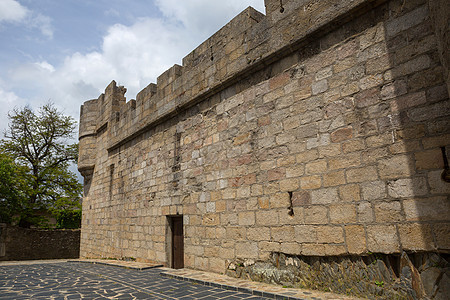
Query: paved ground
(118, 279)
(75, 280)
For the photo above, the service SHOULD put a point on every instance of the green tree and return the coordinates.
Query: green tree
(38, 142)
(13, 189)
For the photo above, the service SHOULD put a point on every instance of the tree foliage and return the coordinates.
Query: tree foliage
(13, 188)
(38, 144)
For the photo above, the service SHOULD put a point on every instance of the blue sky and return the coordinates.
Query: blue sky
(67, 51)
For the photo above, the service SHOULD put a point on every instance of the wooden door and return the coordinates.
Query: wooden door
(177, 243)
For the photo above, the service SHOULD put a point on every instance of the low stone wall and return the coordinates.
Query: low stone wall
(376, 276)
(25, 244)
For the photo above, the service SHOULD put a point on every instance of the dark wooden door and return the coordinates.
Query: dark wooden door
(177, 243)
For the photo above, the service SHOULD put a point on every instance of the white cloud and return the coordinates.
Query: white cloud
(12, 11)
(201, 15)
(132, 55)
(46, 66)
(41, 22)
(8, 101)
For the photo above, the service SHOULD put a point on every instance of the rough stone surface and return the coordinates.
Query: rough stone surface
(332, 113)
(376, 276)
(25, 244)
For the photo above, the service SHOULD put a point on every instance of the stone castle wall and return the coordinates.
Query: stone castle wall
(316, 131)
(18, 243)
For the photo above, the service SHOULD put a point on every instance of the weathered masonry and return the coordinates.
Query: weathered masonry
(316, 135)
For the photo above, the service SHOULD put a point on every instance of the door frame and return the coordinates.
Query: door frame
(169, 238)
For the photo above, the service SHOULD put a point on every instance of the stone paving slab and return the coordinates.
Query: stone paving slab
(119, 263)
(76, 280)
(31, 262)
(115, 279)
(246, 286)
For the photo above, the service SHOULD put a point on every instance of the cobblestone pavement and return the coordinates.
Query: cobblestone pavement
(75, 280)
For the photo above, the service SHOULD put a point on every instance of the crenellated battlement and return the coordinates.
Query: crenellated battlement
(247, 43)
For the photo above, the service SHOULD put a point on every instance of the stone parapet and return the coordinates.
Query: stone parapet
(247, 43)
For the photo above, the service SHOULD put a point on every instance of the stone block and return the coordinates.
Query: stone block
(370, 81)
(373, 155)
(342, 213)
(426, 209)
(227, 253)
(246, 218)
(380, 140)
(316, 167)
(436, 141)
(316, 215)
(353, 146)
(373, 190)
(388, 212)
(286, 161)
(271, 188)
(307, 156)
(378, 64)
(393, 89)
(324, 73)
(414, 65)
(409, 100)
(243, 192)
(291, 248)
(323, 249)
(263, 202)
(344, 64)
(301, 198)
(308, 130)
(317, 141)
(310, 182)
(201, 263)
(217, 265)
(408, 20)
(211, 207)
(416, 237)
(350, 193)
(349, 89)
(269, 246)
(396, 167)
(258, 233)
(334, 178)
(429, 112)
(319, 87)
(276, 174)
(279, 81)
(330, 235)
(290, 184)
(292, 216)
(279, 200)
(355, 238)
(341, 134)
(305, 233)
(324, 196)
(247, 250)
(368, 173)
(295, 171)
(442, 233)
(235, 233)
(407, 187)
(329, 150)
(365, 212)
(266, 218)
(345, 161)
(437, 185)
(283, 234)
(382, 239)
